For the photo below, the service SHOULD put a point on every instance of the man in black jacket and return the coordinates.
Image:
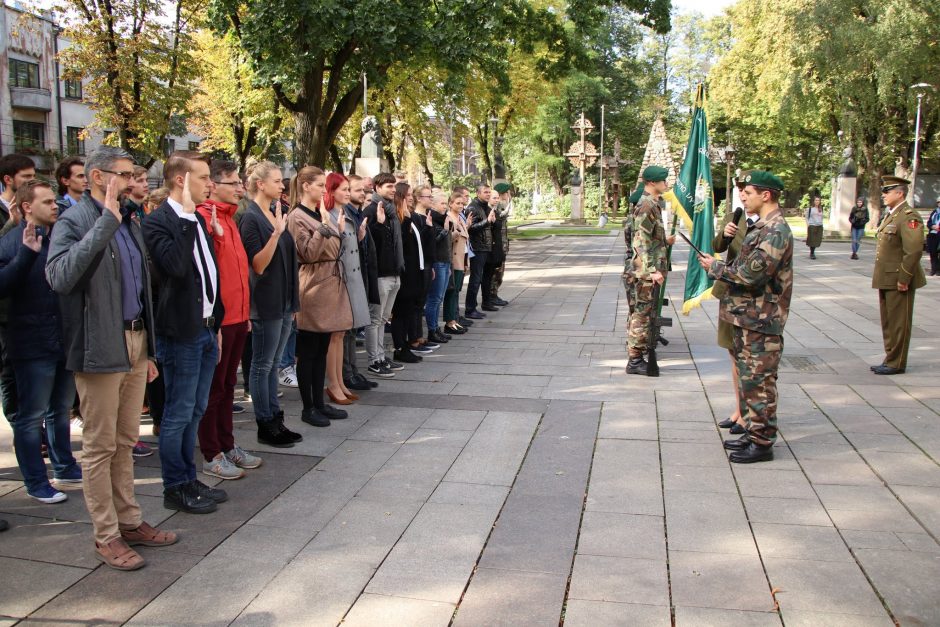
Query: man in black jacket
(188, 318)
(480, 219)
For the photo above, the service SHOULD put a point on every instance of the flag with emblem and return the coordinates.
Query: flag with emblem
(692, 199)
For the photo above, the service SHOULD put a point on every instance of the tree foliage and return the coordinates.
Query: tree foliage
(137, 58)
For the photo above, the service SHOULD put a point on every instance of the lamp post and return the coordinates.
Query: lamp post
(729, 157)
(495, 122)
(921, 90)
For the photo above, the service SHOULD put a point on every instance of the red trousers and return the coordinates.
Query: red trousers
(215, 429)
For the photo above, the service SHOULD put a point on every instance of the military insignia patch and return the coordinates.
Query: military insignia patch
(913, 224)
(758, 265)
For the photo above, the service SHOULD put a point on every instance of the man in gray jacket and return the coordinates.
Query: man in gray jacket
(98, 266)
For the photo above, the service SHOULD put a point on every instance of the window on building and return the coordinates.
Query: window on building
(28, 135)
(24, 74)
(194, 145)
(75, 140)
(169, 146)
(73, 89)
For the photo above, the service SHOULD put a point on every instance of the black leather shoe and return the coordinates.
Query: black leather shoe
(740, 443)
(753, 453)
(362, 380)
(4, 525)
(888, 370)
(213, 494)
(873, 368)
(737, 429)
(489, 307)
(355, 384)
(405, 356)
(727, 423)
(462, 321)
(455, 330)
(500, 302)
(637, 365)
(270, 433)
(333, 413)
(314, 418)
(475, 315)
(294, 436)
(184, 498)
(435, 335)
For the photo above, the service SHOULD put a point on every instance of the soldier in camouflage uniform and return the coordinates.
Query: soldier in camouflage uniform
(757, 302)
(648, 265)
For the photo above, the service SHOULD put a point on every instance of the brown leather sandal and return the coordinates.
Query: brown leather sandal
(145, 535)
(118, 555)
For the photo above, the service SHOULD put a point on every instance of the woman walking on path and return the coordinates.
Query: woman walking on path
(858, 219)
(325, 311)
(814, 226)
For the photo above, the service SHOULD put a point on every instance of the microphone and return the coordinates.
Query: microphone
(735, 219)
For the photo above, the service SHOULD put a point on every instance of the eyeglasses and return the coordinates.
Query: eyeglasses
(232, 183)
(888, 188)
(124, 175)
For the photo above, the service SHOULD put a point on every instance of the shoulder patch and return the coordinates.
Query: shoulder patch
(914, 224)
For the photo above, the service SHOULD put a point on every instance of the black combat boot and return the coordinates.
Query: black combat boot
(637, 365)
(752, 453)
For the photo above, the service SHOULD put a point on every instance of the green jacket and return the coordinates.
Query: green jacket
(760, 278)
(718, 244)
(900, 246)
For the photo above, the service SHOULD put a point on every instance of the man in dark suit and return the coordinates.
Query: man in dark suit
(189, 315)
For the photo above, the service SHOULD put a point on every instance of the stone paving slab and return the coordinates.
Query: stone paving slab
(517, 476)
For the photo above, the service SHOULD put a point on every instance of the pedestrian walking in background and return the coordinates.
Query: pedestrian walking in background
(814, 226)
(858, 219)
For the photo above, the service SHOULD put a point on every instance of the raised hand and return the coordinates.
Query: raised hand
(380, 213)
(341, 221)
(188, 205)
(111, 198)
(31, 240)
(428, 220)
(492, 217)
(280, 223)
(214, 224)
(362, 228)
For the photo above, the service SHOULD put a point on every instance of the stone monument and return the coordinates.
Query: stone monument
(370, 162)
(843, 195)
(577, 198)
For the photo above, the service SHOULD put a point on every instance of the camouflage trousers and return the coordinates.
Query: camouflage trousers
(757, 356)
(497, 281)
(639, 328)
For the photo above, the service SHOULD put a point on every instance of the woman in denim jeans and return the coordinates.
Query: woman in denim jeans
(443, 251)
(274, 297)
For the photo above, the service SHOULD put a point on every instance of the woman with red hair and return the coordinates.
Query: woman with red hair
(324, 304)
(336, 201)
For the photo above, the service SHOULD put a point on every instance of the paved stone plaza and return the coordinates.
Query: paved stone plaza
(517, 476)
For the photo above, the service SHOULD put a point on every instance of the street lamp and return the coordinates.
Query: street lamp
(729, 157)
(921, 90)
(495, 122)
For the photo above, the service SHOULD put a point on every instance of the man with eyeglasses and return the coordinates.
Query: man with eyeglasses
(897, 273)
(223, 457)
(97, 265)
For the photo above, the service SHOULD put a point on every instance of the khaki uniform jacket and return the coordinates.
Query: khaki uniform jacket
(900, 245)
(760, 279)
(324, 302)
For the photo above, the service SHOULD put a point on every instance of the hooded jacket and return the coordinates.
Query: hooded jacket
(232, 260)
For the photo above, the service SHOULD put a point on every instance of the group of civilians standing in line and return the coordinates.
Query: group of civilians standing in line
(112, 294)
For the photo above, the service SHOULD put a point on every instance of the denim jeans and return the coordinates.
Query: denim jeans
(45, 394)
(477, 276)
(857, 235)
(432, 309)
(375, 332)
(188, 368)
(268, 339)
(289, 358)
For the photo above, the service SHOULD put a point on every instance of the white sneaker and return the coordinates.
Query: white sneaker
(288, 377)
(222, 468)
(242, 458)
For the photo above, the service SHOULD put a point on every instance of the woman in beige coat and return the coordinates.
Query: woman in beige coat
(324, 303)
(459, 235)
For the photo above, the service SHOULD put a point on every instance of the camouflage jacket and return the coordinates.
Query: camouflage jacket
(649, 240)
(760, 278)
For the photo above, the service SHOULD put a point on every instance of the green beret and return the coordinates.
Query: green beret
(655, 174)
(762, 178)
(502, 188)
(637, 194)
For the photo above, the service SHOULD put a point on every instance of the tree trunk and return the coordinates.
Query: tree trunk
(336, 159)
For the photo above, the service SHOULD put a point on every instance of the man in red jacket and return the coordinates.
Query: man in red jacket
(224, 458)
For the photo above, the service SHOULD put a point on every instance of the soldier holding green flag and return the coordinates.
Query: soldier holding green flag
(756, 304)
(649, 264)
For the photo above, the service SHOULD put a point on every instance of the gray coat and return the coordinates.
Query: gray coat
(84, 268)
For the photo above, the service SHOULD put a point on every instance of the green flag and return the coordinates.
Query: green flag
(694, 202)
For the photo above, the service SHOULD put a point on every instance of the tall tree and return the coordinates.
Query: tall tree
(137, 58)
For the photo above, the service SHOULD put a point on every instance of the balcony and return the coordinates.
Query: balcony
(31, 98)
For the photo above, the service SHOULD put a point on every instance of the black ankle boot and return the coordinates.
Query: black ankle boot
(314, 418)
(185, 498)
(637, 365)
(279, 419)
(333, 413)
(270, 433)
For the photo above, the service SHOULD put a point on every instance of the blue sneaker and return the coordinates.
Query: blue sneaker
(47, 494)
(73, 475)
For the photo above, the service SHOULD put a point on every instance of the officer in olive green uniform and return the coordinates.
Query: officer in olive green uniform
(756, 304)
(649, 264)
(897, 272)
